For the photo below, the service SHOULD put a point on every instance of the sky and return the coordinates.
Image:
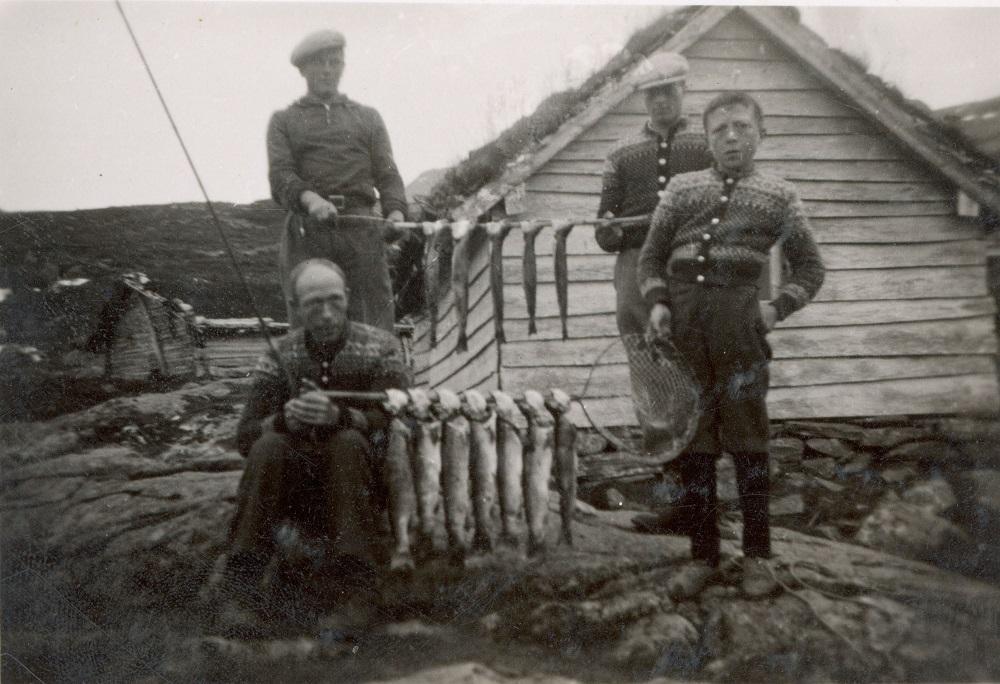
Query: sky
(81, 127)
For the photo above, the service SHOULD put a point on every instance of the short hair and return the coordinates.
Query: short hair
(729, 98)
(301, 267)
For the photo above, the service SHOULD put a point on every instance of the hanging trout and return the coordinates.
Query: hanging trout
(460, 257)
(529, 269)
(537, 468)
(433, 231)
(497, 232)
(510, 466)
(426, 465)
(557, 402)
(454, 471)
(562, 230)
(484, 465)
(399, 477)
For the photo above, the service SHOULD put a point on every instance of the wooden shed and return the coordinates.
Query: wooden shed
(144, 335)
(904, 323)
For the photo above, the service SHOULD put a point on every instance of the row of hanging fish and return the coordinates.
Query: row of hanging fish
(460, 234)
(466, 455)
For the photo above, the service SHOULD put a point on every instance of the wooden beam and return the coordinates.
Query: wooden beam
(780, 147)
(912, 396)
(965, 394)
(893, 230)
(967, 336)
(842, 191)
(795, 170)
(612, 380)
(741, 74)
(815, 315)
(890, 282)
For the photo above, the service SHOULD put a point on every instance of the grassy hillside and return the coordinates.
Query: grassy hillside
(176, 245)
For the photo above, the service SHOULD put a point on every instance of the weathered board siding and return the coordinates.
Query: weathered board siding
(904, 323)
(443, 365)
(149, 340)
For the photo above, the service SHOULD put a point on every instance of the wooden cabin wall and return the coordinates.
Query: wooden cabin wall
(238, 353)
(443, 365)
(903, 323)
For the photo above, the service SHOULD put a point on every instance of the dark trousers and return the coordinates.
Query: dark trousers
(357, 245)
(327, 489)
(701, 506)
(721, 334)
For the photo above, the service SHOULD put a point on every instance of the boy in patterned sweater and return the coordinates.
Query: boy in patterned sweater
(709, 239)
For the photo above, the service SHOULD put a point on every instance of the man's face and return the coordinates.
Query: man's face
(322, 303)
(663, 104)
(733, 136)
(322, 72)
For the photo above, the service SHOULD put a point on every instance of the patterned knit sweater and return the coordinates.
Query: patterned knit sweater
(636, 172)
(719, 230)
(368, 359)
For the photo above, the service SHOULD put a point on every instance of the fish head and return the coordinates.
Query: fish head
(474, 405)
(532, 405)
(396, 401)
(460, 228)
(420, 404)
(557, 400)
(447, 404)
(531, 228)
(504, 403)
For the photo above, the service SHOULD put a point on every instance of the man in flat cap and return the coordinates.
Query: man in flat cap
(324, 150)
(636, 172)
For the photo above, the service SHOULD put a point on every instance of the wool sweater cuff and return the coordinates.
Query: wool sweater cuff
(785, 305)
(658, 294)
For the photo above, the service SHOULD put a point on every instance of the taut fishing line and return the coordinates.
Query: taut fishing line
(208, 202)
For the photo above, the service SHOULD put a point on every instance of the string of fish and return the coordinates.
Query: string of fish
(464, 453)
(461, 233)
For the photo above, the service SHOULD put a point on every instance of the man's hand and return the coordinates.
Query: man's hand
(769, 314)
(615, 231)
(659, 319)
(396, 216)
(312, 408)
(609, 238)
(318, 208)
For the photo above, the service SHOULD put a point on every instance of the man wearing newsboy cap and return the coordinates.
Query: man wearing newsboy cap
(636, 171)
(329, 161)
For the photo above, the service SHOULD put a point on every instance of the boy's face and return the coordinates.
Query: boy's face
(733, 136)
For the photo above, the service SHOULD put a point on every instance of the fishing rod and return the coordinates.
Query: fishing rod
(215, 218)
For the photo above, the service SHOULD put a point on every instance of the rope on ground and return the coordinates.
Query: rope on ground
(819, 618)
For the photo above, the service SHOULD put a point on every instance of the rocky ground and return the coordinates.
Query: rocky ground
(885, 534)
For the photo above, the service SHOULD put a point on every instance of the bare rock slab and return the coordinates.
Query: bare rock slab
(914, 531)
(936, 495)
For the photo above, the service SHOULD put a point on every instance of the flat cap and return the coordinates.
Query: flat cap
(661, 69)
(316, 42)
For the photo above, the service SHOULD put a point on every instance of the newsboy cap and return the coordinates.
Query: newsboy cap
(662, 69)
(316, 42)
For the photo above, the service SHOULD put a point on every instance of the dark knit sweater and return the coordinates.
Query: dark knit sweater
(698, 236)
(336, 148)
(368, 359)
(636, 172)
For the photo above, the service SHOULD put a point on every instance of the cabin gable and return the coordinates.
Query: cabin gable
(904, 323)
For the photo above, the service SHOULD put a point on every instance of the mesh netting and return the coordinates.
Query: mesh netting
(665, 395)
